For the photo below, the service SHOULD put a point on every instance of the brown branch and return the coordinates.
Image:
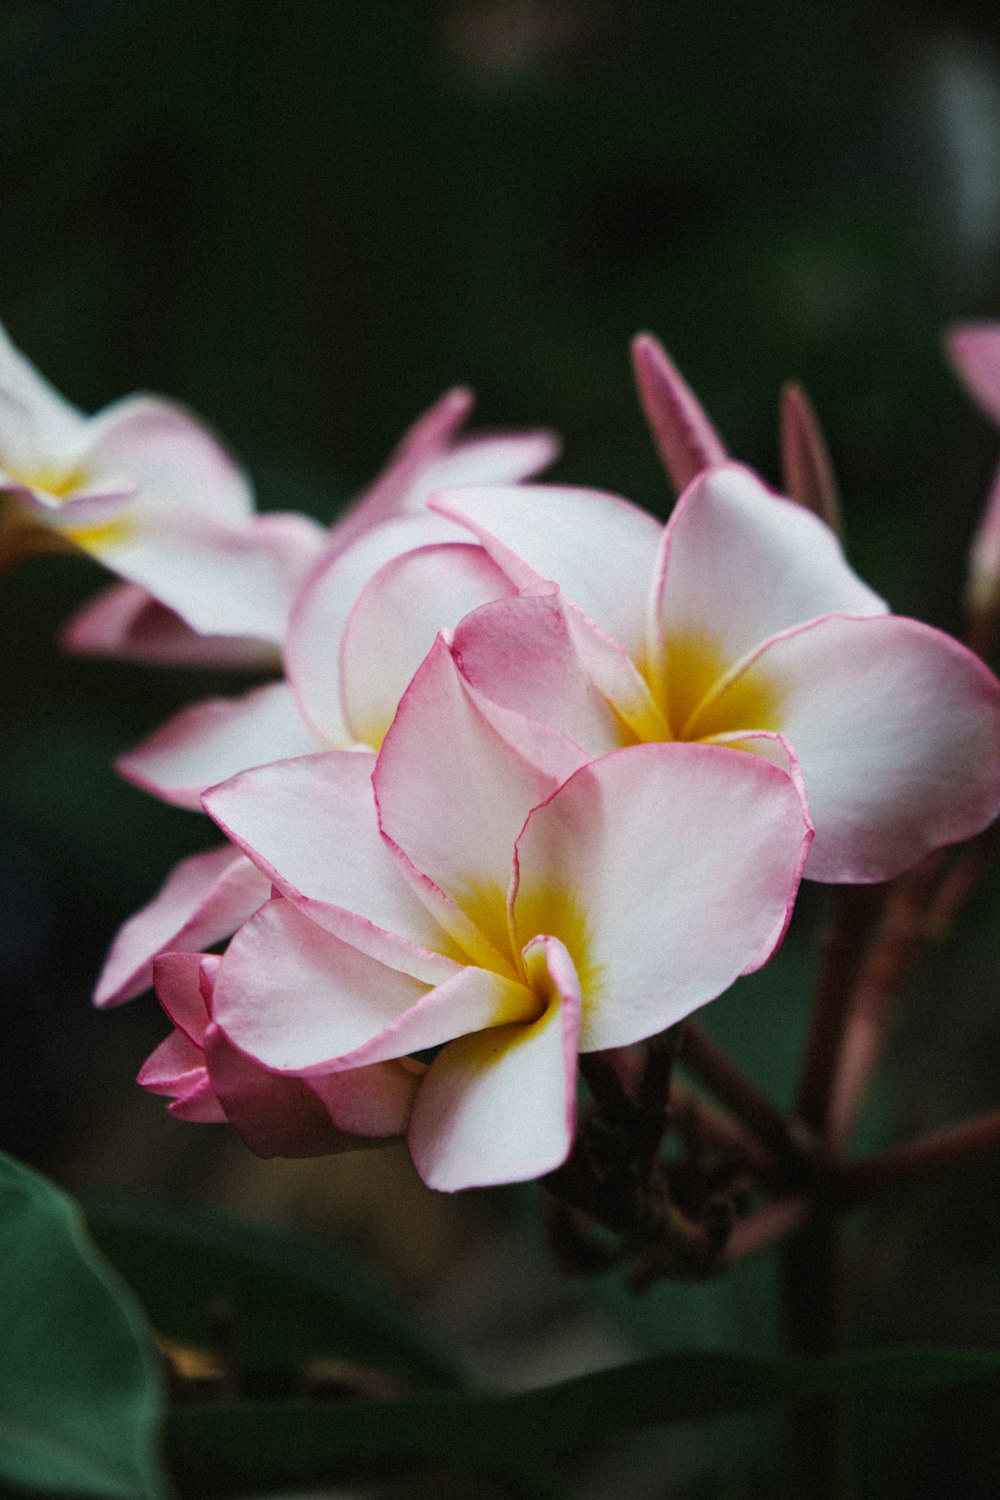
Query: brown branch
(898, 942)
(728, 1082)
(768, 1226)
(842, 944)
(698, 1117)
(939, 1148)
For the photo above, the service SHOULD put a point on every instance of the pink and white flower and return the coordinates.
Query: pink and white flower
(486, 889)
(359, 629)
(738, 622)
(210, 1081)
(148, 491)
(129, 621)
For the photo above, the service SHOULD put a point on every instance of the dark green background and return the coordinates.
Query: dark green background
(306, 221)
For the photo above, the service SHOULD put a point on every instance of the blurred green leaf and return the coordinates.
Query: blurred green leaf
(284, 1300)
(236, 1449)
(80, 1396)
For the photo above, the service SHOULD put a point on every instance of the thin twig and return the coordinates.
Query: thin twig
(727, 1081)
(939, 1148)
(768, 1226)
(698, 1118)
(842, 944)
(898, 942)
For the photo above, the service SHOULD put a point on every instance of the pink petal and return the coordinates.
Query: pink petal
(213, 740)
(667, 871)
(452, 796)
(273, 1116)
(171, 458)
(685, 438)
(221, 580)
(179, 989)
(975, 352)
(395, 620)
(391, 493)
(205, 898)
(311, 826)
(739, 565)
(126, 621)
(472, 1000)
(897, 730)
(75, 517)
(498, 1106)
(431, 457)
(370, 1102)
(297, 999)
(984, 553)
(199, 1105)
(174, 1067)
(36, 419)
(600, 550)
(319, 618)
(543, 658)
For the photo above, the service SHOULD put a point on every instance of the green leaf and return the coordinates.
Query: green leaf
(80, 1395)
(239, 1449)
(285, 1300)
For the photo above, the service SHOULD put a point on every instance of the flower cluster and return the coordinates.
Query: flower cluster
(539, 776)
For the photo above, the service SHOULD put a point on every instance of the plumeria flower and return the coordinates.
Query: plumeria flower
(210, 1081)
(486, 890)
(148, 491)
(129, 621)
(739, 623)
(360, 627)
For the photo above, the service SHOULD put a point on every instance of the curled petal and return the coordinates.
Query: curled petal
(394, 623)
(471, 1000)
(319, 617)
(897, 730)
(431, 456)
(310, 825)
(370, 1103)
(125, 621)
(599, 549)
(213, 740)
(498, 1106)
(177, 465)
(274, 1116)
(184, 984)
(175, 1067)
(296, 998)
(205, 898)
(667, 870)
(522, 653)
(452, 797)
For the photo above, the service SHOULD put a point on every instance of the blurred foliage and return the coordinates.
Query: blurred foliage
(80, 1401)
(307, 222)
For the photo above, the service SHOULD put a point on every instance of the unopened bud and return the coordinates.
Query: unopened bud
(685, 438)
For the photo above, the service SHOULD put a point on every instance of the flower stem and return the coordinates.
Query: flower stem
(841, 946)
(939, 1148)
(818, 1430)
(728, 1082)
(899, 940)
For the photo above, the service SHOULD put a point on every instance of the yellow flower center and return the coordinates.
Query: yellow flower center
(702, 698)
